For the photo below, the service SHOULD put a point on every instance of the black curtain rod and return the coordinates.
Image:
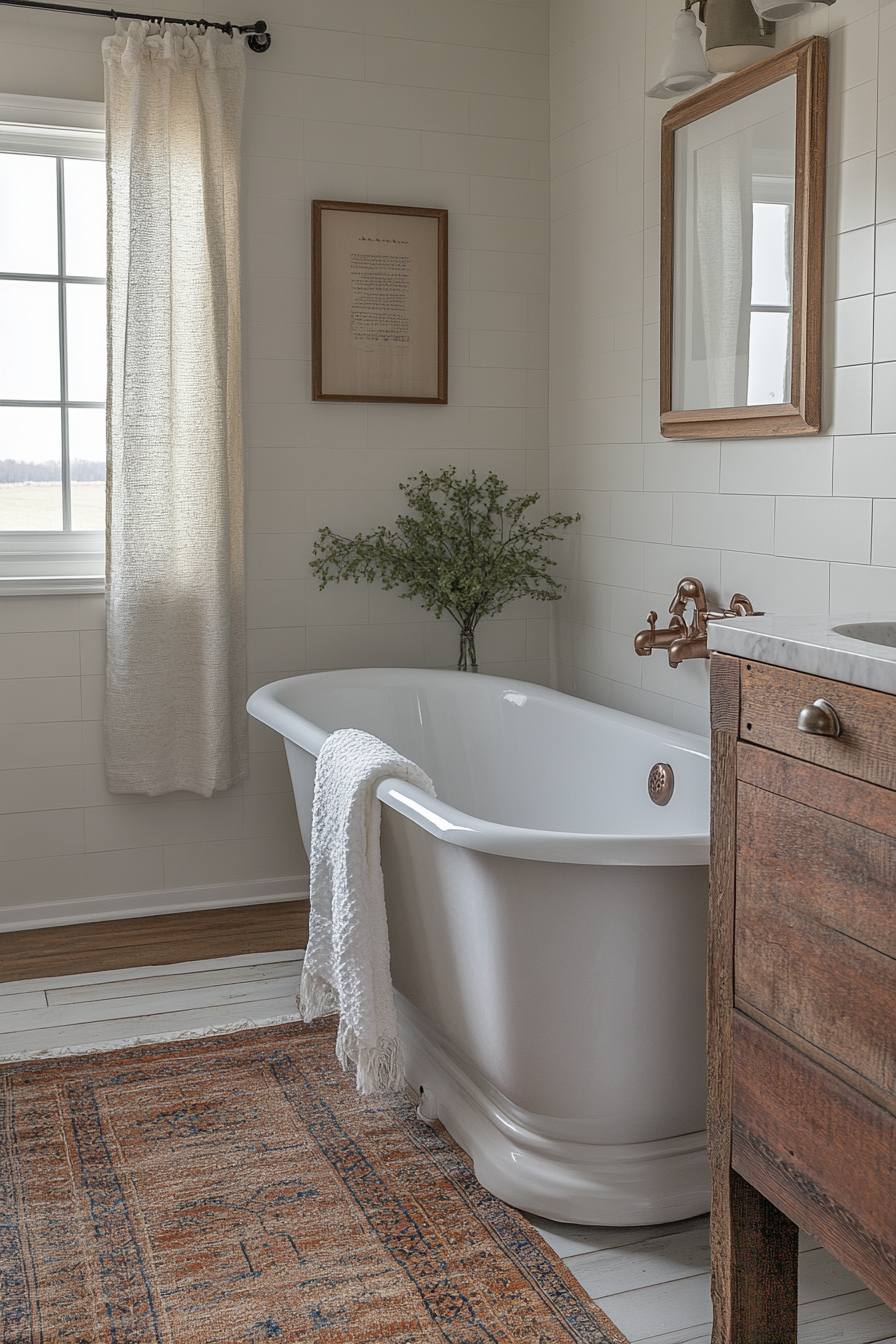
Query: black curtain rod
(259, 38)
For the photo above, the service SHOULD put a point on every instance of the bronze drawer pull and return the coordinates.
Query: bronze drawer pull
(819, 718)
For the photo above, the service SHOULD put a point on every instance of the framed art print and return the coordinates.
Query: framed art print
(379, 303)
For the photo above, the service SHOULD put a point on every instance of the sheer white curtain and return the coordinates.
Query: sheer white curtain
(724, 223)
(175, 679)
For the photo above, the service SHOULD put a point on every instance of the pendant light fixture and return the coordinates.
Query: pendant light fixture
(684, 68)
(737, 34)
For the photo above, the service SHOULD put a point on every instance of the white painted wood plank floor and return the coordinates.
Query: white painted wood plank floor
(653, 1282)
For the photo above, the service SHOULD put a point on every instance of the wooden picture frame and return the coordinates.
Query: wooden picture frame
(379, 307)
(798, 411)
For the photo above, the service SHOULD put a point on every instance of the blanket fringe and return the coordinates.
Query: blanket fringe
(378, 1068)
(316, 997)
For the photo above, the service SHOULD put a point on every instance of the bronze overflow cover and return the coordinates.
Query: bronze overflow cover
(660, 784)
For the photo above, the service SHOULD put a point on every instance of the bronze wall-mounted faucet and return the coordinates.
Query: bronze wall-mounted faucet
(688, 641)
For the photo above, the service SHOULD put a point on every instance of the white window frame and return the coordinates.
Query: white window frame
(36, 563)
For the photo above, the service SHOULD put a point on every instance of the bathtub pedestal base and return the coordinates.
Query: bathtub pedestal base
(612, 1185)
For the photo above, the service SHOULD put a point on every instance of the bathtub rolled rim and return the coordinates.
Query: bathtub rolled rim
(458, 828)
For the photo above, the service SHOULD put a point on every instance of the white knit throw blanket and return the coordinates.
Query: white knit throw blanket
(346, 968)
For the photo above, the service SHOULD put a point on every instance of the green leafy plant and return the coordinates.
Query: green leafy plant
(469, 552)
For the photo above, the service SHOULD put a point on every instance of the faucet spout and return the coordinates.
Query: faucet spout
(683, 641)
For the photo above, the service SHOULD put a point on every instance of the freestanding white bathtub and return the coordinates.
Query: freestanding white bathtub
(547, 924)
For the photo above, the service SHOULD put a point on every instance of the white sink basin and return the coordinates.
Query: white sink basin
(870, 632)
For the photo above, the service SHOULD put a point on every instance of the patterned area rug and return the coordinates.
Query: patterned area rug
(237, 1188)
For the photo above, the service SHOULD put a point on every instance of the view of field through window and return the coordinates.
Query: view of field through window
(52, 343)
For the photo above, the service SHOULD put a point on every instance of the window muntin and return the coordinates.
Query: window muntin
(52, 344)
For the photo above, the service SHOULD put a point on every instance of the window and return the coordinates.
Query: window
(52, 344)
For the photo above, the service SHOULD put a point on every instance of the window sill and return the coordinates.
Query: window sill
(52, 585)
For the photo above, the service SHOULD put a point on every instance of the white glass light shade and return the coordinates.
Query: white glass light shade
(684, 68)
(777, 10)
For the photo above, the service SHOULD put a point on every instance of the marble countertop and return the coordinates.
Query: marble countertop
(810, 644)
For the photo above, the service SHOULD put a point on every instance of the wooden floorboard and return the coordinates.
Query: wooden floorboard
(156, 940)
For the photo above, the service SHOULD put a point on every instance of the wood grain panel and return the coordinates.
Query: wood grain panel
(838, 993)
(157, 940)
(827, 791)
(821, 1152)
(772, 697)
(818, 865)
(724, 703)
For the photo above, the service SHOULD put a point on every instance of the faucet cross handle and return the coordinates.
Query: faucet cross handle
(689, 590)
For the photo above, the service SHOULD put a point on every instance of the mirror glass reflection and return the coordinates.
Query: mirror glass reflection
(733, 267)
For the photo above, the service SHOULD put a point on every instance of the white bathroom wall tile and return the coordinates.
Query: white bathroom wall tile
(690, 718)
(273, 603)
(22, 615)
(440, 65)
(886, 125)
(604, 560)
(682, 464)
(607, 466)
(43, 879)
(92, 648)
(595, 507)
(776, 584)
(629, 608)
(883, 414)
(777, 466)
(823, 529)
(862, 588)
(93, 696)
(200, 862)
(275, 649)
(364, 646)
(664, 566)
(848, 391)
(268, 773)
(688, 682)
(276, 511)
(137, 825)
(389, 105)
(37, 653)
(628, 699)
(497, 427)
(885, 258)
(30, 835)
(885, 327)
(849, 266)
(738, 522)
(853, 52)
(865, 465)
(590, 604)
(24, 745)
(886, 188)
(883, 543)
(270, 814)
(278, 555)
(642, 516)
(853, 322)
(607, 654)
(854, 130)
(40, 700)
(851, 193)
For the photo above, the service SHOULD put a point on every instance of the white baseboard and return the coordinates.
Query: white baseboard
(136, 904)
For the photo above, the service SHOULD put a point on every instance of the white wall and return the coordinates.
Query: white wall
(418, 102)
(797, 524)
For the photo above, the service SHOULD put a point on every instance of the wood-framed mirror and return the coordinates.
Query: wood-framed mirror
(742, 252)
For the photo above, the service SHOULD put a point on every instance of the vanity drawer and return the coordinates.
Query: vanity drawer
(814, 941)
(820, 1151)
(770, 702)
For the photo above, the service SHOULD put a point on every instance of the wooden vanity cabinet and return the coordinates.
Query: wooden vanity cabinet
(801, 992)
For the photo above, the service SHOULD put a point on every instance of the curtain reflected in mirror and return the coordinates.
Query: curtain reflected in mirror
(741, 251)
(733, 270)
